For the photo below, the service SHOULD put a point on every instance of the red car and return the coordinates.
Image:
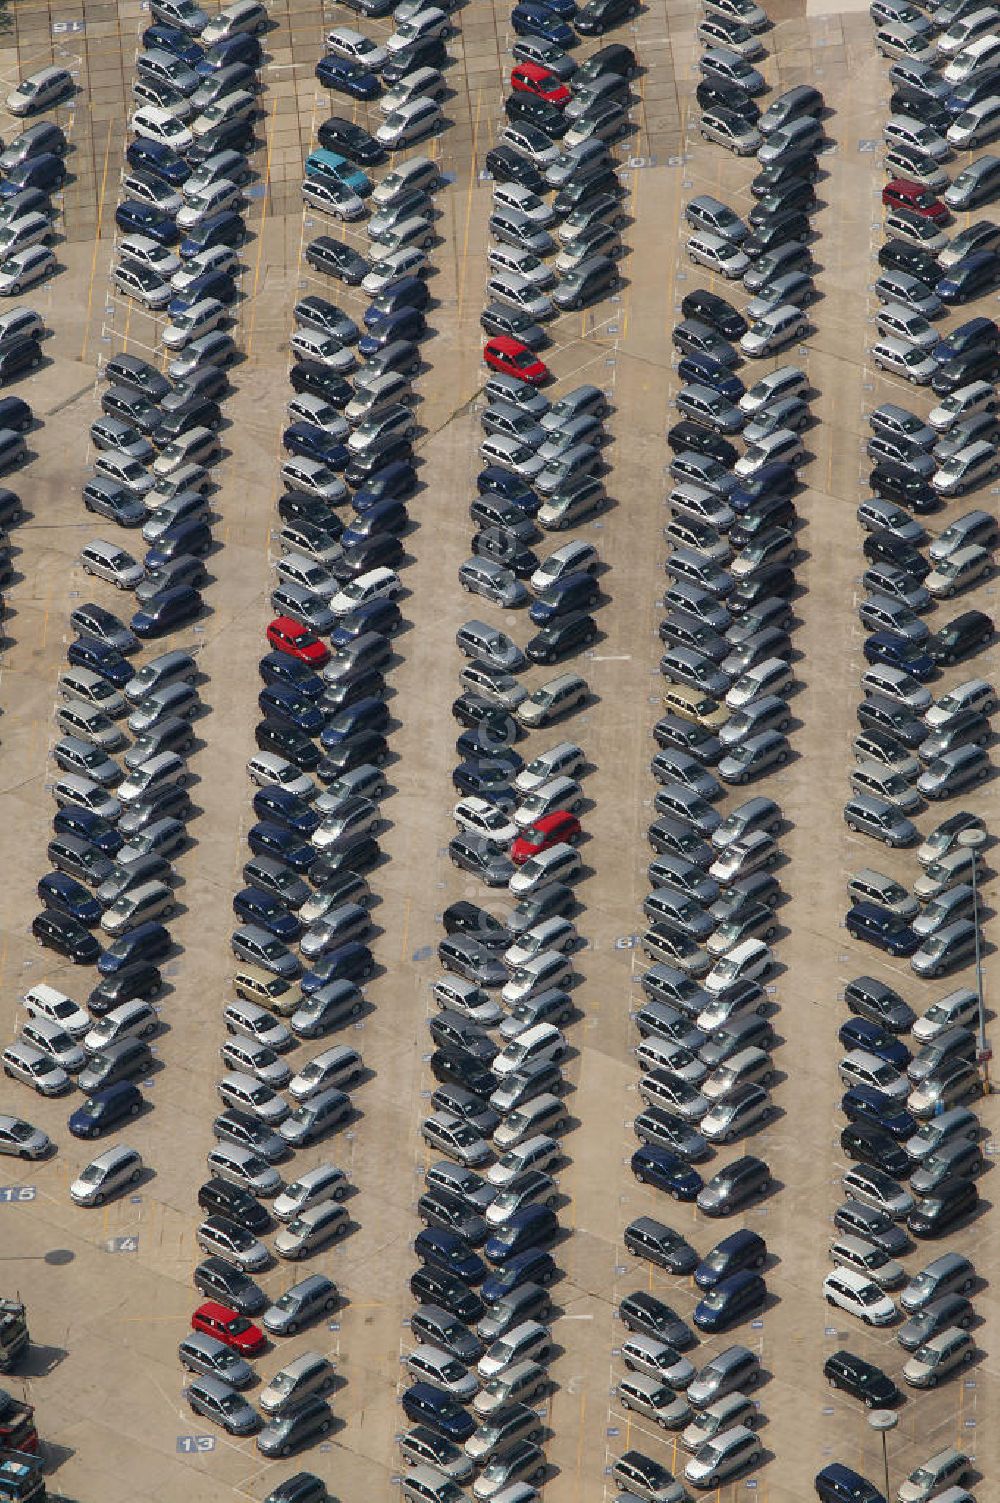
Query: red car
(514, 359)
(900, 193)
(550, 829)
(531, 78)
(228, 1327)
(298, 641)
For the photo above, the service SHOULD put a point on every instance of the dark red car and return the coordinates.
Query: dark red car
(298, 641)
(515, 359)
(228, 1327)
(901, 193)
(550, 829)
(532, 78)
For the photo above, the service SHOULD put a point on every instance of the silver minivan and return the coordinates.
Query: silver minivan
(109, 1173)
(309, 1373)
(311, 1229)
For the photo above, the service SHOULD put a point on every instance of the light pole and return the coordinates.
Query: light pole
(883, 1420)
(973, 840)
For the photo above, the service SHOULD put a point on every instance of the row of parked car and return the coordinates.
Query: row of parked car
(908, 1078)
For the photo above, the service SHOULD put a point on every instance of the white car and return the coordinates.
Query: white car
(160, 125)
(480, 817)
(217, 258)
(408, 262)
(142, 250)
(267, 769)
(423, 27)
(859, 1296)
(44, 1001)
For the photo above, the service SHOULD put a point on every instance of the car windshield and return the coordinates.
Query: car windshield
(927, 1355)
(20, 1131)
(91, 1175)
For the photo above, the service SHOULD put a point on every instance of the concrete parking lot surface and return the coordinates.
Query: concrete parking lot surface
(109, 1290)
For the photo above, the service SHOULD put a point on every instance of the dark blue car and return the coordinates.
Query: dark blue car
(253, 906)
(573, 592)
(350, 962)
(382, 616)
(66, 895)
(166, 610)
(383, 517)
(285, 808)
(899, 652)
(731, 1300)
(368, 714)
(703, 370)
(217, 284)
(443, 1249)
(531, 1227)
(488, 778)
(771, 480)
(666, 1171)
(154, 157)
(144, 219)
(288, 707)
(175, 41)
(100, 658)
(495, 481)
(969, 277)
(87, 825)
(394, 482)
(348, 77)
(105, 1109)
(882, 928)
(224, 228)
(423, 1404)
(861, 1033)
(45, 172)
(150, 941)
(241, 48)
(383, 328)
(403, 292)
(740, 1250)
(532, 19)
(868, 1104)
(268, 839)
(533, 1267)
(315, 443)
(279, 668)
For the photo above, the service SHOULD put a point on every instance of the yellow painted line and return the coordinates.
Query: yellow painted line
(468, 205)
(97, 239)
(260, 230)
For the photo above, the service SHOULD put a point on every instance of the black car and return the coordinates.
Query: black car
(501, 318)
(228, 135)
(464, 917)
(920, 106)
(794, 195)
(319, 380)
(435, 1286)
(863, 1380)
(303, 1487)
(644, 1312)
(390, 451)
(335, 259)
(688, 436)
(774, 579)
(221, 1281)
(456, 1066)
(505, 165)
(869, 1145)
(980, 364)
(714, 311)
(351, 141)
(66, 935)
(598, 16)
(140, 979)
(426, 52)
(288, 742)
(310, 511)
(713, 94)
(493, 542)
(954, 641)
(892, 481)
(805, 166)
(900, 255)
(777, 229)
(564, 635)
(129, 370)
(886, 547)
(738, 1182)
(527, 109)
(614, 58)
(951, 1202)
